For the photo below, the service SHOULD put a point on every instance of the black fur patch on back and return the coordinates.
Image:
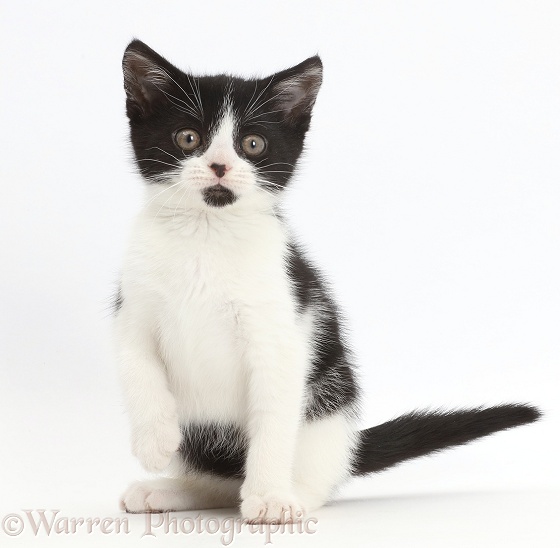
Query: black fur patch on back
(331, 385)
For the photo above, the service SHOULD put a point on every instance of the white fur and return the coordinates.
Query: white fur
(208, 331)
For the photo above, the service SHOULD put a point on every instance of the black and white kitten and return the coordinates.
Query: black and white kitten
(237, 379)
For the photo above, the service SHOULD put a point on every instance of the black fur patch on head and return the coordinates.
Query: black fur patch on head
(161, 99)
(218, 196)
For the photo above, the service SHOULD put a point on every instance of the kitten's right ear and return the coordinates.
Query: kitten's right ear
(295, 90)
(146, 75)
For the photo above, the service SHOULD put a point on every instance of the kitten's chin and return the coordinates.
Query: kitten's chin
(218, 196)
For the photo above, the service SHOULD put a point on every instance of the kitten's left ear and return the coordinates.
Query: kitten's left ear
(295, 89)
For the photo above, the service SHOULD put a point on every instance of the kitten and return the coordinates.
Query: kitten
(236, 374)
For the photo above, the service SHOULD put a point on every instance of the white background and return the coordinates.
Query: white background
(430, 194)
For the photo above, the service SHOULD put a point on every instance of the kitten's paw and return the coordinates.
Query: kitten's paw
(154, 444)
(278, 507)
(145, 497)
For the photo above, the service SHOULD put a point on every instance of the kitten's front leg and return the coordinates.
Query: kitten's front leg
(275, 356)
(152, 409)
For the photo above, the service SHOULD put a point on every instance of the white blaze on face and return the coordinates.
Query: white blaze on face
(221, 150)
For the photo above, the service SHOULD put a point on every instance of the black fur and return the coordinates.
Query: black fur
(331, 384)
(422, 432)
(215, 449)
(218, 196)
(117, 300)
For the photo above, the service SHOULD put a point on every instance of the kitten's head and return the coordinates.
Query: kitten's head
(216, 141)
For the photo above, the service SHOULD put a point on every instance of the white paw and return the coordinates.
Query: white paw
(146, 498)
(278, 507)
(155, 443)
(134, 499)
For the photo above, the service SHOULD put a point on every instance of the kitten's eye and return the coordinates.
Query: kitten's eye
(253, 145)
(187, 139)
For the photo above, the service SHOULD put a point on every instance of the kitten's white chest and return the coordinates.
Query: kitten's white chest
(202, 277)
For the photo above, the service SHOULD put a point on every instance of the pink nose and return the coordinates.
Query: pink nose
(219, 169)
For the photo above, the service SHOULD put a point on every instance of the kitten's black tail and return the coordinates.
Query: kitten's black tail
(422, 432)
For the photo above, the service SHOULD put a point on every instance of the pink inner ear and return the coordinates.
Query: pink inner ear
(292, 97)
(296, 95)
(143, 78)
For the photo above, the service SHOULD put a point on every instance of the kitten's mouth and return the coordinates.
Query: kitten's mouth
(218, 196)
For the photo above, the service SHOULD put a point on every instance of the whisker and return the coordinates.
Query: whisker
(262, 124)
(250, 110)
(269, 183)
(256, 116)
(197, 82)
(263, 160)
(164, 203)
(179, 202)
(267, 191)
(165, 152)
(251, 99)
(187, 108)
(159, 161)
(180, 87)
(199, 106)
(277, 95)
(161, 192)
(276, 164)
